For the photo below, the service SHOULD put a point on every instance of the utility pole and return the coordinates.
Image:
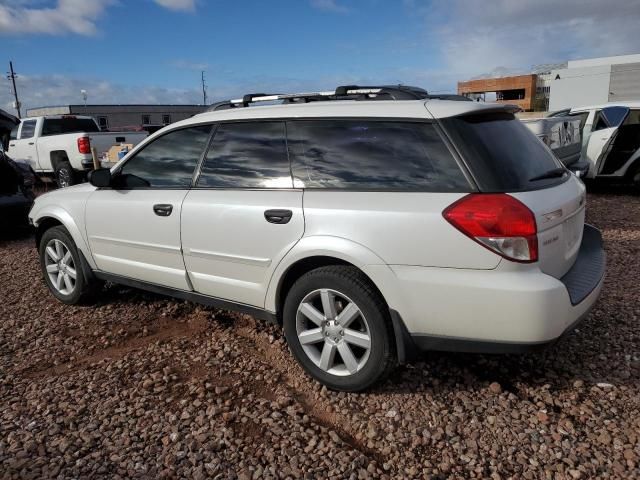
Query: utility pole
(204, 89)
(12, 76)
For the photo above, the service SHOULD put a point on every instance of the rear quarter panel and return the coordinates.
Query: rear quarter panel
(67, 142)
(401, 228)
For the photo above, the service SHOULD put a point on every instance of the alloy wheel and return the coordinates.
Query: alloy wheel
(333, 332)
(64, 178)
(60, 266)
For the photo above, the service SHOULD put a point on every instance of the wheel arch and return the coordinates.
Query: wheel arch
(57, 157)
(316, 251)
(45, 224)
(313, 252)
(52, 216)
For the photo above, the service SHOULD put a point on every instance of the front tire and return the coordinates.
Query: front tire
(62, 267)
(338, 328)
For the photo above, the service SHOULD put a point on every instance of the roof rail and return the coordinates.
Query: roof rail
(344, 92)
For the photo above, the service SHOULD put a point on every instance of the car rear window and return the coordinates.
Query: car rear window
(502, 154)
(59, 126)
(372, 155)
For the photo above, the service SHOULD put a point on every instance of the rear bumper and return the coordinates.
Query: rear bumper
(87, 164)
(588, 270)
(495, 311)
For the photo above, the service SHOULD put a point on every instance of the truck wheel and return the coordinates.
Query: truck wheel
(337, 327)
(65, 176)
(62, 267)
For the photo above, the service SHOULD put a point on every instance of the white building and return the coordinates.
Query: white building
(543, 82)
(595, 80)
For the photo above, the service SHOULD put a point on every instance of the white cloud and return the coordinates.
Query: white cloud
(78, 17)
(476, 37)
(328, 6)
(46, 90)
(186, 5)
(67, 16)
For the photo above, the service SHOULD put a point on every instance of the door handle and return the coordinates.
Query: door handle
(278, 216)
(30, 143)
(12, 144)
(163, 209)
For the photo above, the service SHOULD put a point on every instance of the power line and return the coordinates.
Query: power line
(12, 76)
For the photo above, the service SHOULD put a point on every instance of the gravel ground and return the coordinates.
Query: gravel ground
(140, 386)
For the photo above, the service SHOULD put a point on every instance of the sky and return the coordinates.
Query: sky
(153, 51)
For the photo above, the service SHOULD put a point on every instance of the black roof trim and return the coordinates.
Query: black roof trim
(343, 92)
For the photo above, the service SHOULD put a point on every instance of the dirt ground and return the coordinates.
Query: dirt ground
(141, 386)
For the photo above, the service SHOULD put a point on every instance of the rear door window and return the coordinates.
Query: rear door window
(247, 155)
(372, 155)
(502, 154)
(28, 129)
(62, 125)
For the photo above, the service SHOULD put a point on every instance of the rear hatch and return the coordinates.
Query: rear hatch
(503, 156)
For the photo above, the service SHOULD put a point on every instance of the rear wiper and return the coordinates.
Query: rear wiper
(553, 173)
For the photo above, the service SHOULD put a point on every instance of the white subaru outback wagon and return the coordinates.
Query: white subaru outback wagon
(371, 222)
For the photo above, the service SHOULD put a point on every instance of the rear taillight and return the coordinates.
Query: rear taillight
(498, 222)
(84, 145)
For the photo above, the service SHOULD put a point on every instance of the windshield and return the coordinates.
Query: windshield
(502, 154)
(59, 126)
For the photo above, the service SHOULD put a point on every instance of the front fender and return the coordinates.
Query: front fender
(40, 212)
(346, 250)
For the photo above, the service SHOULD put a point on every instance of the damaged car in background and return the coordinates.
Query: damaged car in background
(17, 180)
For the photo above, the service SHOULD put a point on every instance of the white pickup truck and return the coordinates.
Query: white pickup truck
(61, 145)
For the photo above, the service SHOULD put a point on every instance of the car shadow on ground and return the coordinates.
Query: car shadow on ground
(15, 233)
(618, 189)
(559, 367)
(576, 357)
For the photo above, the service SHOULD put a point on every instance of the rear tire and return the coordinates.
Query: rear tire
(338, 328)
(65, 175)
(63, 267)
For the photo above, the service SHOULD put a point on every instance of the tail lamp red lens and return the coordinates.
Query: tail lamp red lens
(499, 222)
(84, 145)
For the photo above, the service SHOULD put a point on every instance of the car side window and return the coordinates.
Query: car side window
(610, 117)
(372, 155)
(600, 123)
(167, 162)
(14, 133)
(28, 129)
(247, 155)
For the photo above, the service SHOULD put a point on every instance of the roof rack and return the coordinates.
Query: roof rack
(345, 92)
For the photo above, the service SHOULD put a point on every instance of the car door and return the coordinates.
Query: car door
(243, 215)
(133, 227)
(24, 147)
(603, 133)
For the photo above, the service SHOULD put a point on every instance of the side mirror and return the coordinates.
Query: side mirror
(100, 178)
